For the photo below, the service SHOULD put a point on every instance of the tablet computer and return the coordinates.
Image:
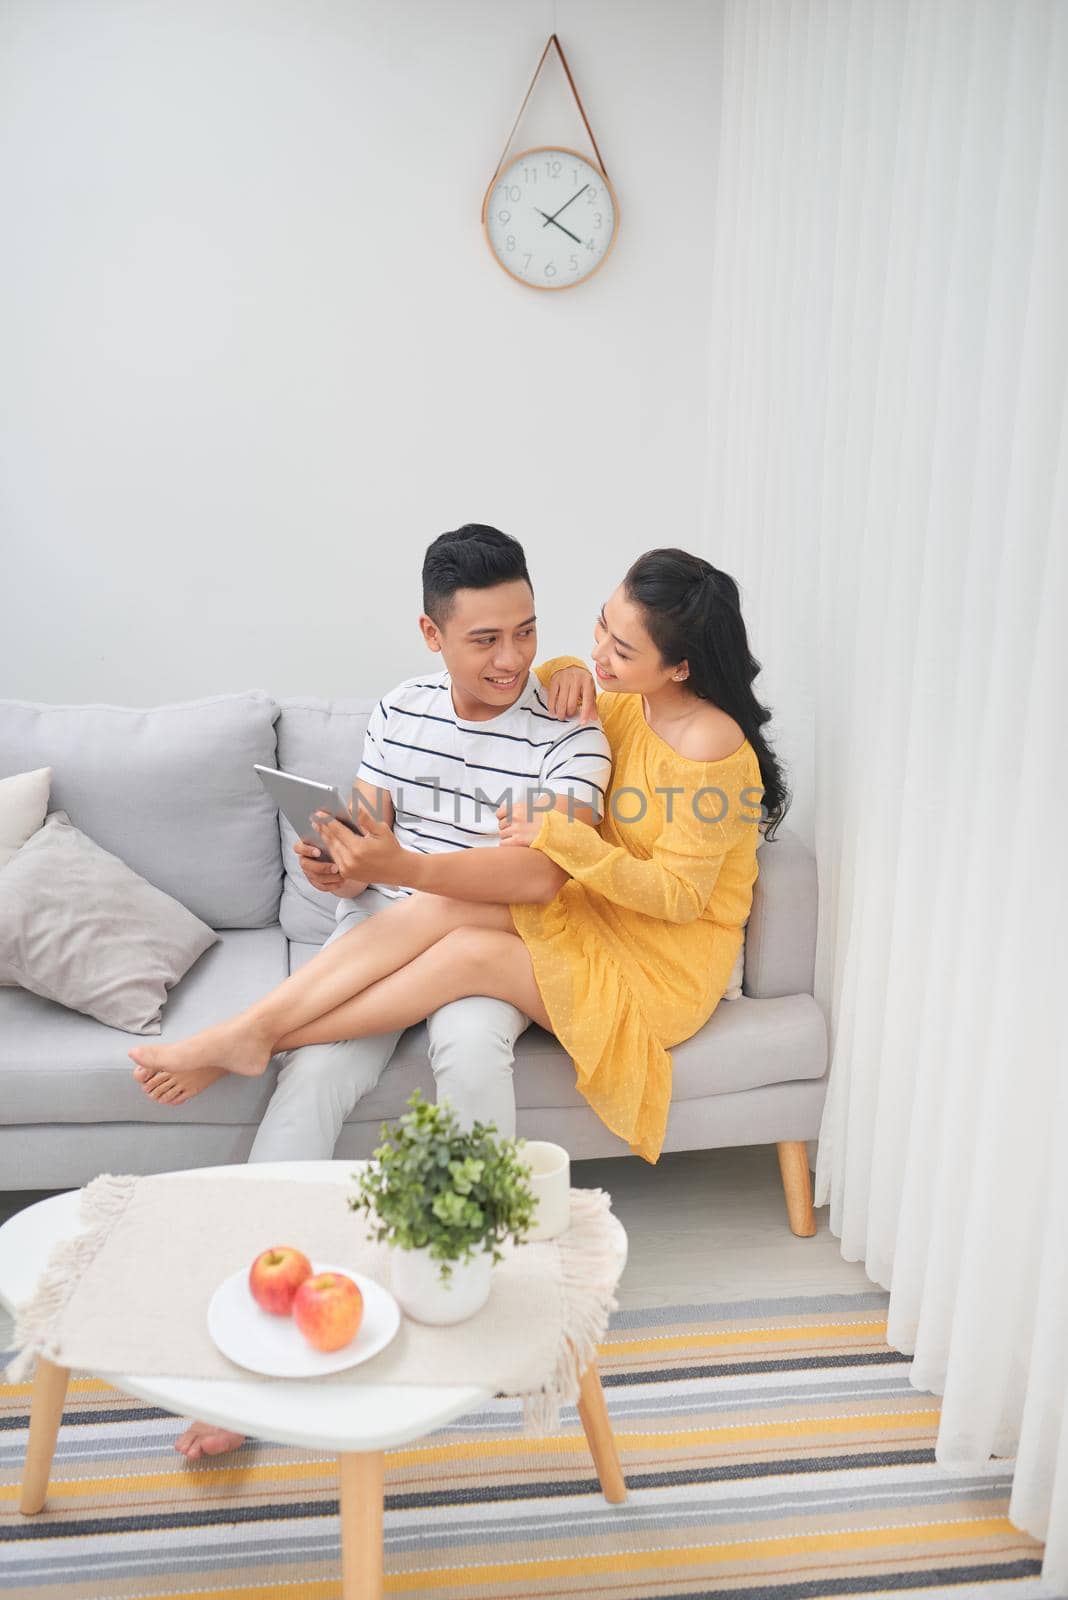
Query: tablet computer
(299, 798)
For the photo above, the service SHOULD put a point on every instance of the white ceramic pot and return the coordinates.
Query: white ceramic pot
(421, 1294)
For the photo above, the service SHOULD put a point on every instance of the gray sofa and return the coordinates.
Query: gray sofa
(172, 792)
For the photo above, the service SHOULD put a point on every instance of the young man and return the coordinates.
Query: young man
(441, 752)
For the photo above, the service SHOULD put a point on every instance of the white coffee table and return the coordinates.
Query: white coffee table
(299, 1412)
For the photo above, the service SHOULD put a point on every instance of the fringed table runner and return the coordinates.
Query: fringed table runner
(130, 1294)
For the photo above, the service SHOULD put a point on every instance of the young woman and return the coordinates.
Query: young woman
(619, 939)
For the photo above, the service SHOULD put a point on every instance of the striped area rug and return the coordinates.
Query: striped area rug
(773, 1448)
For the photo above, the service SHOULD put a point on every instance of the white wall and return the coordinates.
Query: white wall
(254, 353)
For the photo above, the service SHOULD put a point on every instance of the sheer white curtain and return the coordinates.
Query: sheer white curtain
(889, 484)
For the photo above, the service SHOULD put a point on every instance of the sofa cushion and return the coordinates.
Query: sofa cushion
(58, 1066)
(323, 740)
(80, 928)
(780, 937)
(170, 790)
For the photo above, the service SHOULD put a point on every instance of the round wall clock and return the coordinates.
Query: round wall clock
(550, 218)
(550, 215)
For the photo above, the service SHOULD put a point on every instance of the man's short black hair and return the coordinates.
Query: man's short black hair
(472, 557)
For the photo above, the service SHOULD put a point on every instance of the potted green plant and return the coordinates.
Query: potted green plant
(445, 1198)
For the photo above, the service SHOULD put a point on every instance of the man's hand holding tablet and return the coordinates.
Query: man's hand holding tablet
(373, 854)
(297, 798)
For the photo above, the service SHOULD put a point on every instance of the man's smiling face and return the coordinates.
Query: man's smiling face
(488, 641)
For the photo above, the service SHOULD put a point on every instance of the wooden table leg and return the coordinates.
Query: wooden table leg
(362, 1475)
(599, 1435)
(46, 1410)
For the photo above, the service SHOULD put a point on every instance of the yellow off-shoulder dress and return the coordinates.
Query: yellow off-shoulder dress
(635, 952)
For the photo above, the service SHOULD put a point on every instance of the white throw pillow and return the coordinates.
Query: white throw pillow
(23, 805)
(81, 928)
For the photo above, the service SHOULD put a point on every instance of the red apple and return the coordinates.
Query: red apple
(276, 1275)
(328, 1310)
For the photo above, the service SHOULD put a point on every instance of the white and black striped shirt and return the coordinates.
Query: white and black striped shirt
(447, 777)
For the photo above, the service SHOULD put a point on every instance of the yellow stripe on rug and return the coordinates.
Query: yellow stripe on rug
(735, 1336)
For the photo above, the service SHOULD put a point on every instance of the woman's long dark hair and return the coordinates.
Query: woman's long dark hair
(692, 613)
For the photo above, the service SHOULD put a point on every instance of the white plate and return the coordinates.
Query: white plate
(275, 1346)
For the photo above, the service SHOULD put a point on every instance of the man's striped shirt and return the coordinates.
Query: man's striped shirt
(447, 776)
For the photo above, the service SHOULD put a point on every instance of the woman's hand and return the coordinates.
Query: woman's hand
(376, 857)
(572, 693)
(521, 827)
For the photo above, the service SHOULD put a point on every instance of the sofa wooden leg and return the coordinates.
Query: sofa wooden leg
(797, 1185)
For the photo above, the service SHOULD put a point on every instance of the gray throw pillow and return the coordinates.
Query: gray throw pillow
(80, 927)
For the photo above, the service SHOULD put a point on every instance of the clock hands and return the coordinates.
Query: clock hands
(555, 214)
(564, 207)
(560, 225)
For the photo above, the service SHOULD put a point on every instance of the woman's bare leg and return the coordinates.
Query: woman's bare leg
(163, 1073)
(486, 960)
(469, 960)
(379, 946)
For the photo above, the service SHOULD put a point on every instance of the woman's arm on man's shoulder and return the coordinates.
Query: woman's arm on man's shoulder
(571, 688)
(544, 672)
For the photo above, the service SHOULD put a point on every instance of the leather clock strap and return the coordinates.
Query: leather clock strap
(553, 40)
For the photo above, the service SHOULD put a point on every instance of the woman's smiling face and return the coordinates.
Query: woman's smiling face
(625, 658)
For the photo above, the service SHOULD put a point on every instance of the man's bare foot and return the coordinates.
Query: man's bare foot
(231, 1046)
(205, 1439)
(175, 1088)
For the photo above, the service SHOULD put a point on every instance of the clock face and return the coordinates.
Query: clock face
(550, 218)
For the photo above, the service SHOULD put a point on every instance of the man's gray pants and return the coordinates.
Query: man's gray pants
(472, 1044)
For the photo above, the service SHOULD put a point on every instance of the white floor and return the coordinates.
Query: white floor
(711, 1225)
(703, 1226)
